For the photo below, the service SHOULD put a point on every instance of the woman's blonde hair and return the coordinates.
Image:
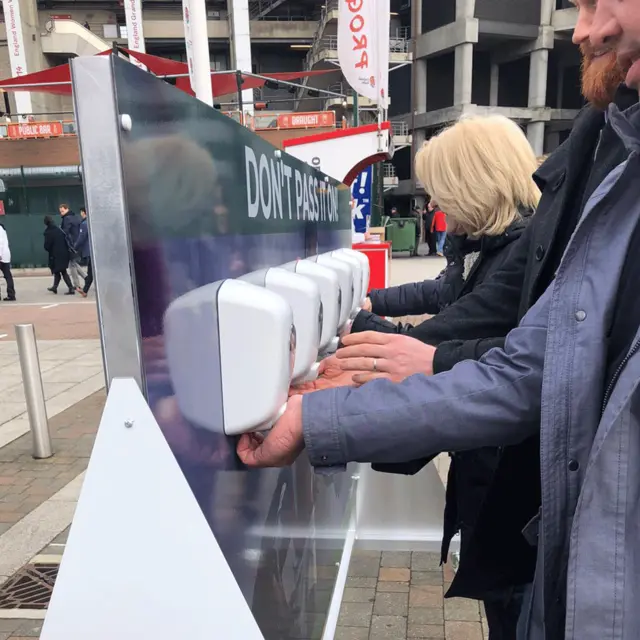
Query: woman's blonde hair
(479, 171)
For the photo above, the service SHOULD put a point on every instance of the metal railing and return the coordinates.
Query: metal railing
(289, 18)
(388, 170)
(260, 10)
(396, 45)
(400, 128)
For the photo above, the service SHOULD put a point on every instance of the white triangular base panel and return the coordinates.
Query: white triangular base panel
(141, 560)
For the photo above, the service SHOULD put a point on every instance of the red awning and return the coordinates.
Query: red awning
(223, 84)
(58, 79)
(53, 80)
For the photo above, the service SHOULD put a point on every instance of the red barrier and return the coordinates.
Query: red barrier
(379, 256)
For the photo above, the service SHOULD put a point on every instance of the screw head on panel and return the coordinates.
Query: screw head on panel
(126, 122)
(128, 424)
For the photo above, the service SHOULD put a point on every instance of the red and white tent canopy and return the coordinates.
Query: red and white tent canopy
(57, 80)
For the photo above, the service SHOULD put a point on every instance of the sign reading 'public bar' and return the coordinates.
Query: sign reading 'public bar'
(35, 130)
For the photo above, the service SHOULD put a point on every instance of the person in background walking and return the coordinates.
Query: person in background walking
(55, 244)
(5, 264)
(429, 237)
(439, 229)
(417, 214)
(70, 224)
(83, 251)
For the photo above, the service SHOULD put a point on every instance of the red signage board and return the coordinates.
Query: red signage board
(306, 120)
(35, 130)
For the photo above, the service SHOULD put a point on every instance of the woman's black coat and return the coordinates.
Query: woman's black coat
(472, 473)
(55, 244)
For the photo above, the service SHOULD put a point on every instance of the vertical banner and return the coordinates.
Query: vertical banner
(188, 40)
(363, 47)
(17, 53)
(135, 33)
(361, 196)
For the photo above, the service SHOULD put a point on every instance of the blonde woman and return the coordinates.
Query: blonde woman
(479, 171)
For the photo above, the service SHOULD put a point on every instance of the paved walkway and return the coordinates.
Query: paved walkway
(399, 596)
(56, 317)
(38, 498)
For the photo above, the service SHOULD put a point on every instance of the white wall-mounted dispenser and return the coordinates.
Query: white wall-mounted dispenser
(303, 296)
(231, 350)
(356, 274)
(330, 295)
(366, 271)
(344, 271)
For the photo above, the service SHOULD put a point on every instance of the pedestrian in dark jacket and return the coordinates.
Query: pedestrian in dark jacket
(70, 224)
(56, 245)
(83, 251)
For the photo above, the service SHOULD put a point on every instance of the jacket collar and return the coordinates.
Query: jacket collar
(589, 121)
(463, 245)
(513, 232)
(627, 125)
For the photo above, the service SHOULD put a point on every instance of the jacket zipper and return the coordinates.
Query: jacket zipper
(616, 375)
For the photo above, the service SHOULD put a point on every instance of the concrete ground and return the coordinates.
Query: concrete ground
(395, 596)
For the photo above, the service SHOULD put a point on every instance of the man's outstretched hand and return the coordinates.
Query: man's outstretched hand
(372, 355)
(330, 375)
(276, 448)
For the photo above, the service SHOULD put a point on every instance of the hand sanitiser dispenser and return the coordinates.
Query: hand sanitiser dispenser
(231, 350)
(303, 296)
(366, 271)
(356, 274)
(344, 272)
(330, 295)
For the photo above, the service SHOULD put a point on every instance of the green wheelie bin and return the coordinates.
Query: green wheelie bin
(401, 233)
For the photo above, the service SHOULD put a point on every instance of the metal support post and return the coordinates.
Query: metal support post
(201, 56)
(33, 390)
(239, 83)
(356, 115)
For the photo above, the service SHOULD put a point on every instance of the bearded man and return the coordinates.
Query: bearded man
(498, 561)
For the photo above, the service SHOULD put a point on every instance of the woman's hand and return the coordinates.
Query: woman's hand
(373, 355)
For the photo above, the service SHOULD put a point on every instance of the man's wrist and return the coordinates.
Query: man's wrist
(319, 429)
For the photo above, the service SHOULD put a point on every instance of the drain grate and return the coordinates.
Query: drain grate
(29, 588)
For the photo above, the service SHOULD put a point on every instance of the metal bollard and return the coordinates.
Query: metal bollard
(33, 390)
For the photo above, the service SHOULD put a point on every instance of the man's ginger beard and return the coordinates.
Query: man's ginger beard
(601, 76)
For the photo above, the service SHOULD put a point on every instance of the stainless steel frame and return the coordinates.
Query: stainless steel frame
(99, 135)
